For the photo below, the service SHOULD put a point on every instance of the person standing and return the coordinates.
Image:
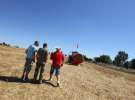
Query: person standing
(42, 56)
(30, 59)
(57, 62)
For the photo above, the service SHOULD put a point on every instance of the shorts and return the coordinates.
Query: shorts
(55, 70)
(27, 68)
(28, 65)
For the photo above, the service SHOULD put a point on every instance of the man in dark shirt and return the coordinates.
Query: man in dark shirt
(42, 56)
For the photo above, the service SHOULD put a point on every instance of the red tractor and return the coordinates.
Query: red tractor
(76, 58)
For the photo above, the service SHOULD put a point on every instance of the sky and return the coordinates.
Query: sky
(97, 26)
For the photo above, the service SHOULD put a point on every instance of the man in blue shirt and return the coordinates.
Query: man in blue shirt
(30, 59)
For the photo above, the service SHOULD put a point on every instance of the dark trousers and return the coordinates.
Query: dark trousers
(27, 68)
(39, 71)
(28, 65)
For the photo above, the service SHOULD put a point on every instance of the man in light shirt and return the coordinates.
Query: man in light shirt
(30, 59)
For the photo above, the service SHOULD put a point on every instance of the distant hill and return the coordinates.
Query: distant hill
(8, 45)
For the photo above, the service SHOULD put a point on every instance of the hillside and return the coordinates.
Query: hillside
(85, 82)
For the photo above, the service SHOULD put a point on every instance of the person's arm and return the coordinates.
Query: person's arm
(26, 51)
(35, 55)
(63, 59)
(51, 57)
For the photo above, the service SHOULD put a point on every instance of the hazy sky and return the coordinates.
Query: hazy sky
(98, 26)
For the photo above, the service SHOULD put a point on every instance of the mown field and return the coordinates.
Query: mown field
(85, 82)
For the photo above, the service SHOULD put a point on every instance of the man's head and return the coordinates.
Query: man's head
(36, 43)
(58, 49)
(45, 45)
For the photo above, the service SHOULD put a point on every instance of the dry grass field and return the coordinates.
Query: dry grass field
(85, 82)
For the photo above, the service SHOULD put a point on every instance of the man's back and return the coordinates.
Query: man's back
(30, 51)
(57, 58)
(42, 55)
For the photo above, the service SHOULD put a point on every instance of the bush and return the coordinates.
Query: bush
(121, 58)
(97, 59)
(104, 59)
(87, 59)
(133, 64)
(126, 65)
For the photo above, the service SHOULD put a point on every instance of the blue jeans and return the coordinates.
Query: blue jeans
(55, 70)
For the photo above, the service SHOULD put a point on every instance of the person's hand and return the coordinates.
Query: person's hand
(62, 64)
(26, 51)
(33, 60)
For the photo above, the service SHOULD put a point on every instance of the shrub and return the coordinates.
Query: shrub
(104, 59)
(87, 58)
(97, 59)
(133, 63)
(121, 58)
(126, 65)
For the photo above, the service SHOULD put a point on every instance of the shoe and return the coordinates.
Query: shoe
(34, 81)
(40, 81)
(26, 78)
(58, 84)
(23, 78)
(49, 79)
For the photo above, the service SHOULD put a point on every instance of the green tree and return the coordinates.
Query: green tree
(87, 58)
(104, 59)
(127, 64)
(121, 58)
(97, 59)
(133, 63)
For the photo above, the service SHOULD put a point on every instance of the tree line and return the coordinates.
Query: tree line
(120, 60)
(8, 45)
(5, 44)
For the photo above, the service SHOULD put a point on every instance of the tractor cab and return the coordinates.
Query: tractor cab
(76, 58)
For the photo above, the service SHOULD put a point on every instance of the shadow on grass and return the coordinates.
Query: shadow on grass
(11, 79)
(14, 79)
(49, 83)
